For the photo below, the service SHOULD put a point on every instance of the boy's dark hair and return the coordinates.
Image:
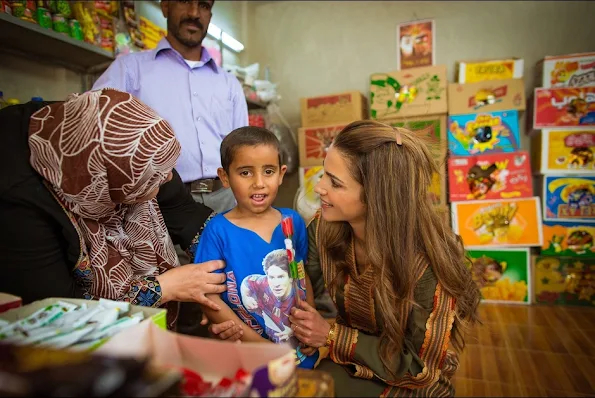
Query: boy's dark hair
(246, 136)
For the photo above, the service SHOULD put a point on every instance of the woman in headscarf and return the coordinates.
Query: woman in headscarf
(90, 203)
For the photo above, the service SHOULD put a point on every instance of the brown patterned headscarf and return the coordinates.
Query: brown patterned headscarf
(100, 151)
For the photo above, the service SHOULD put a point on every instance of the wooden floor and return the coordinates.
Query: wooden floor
(530, 351)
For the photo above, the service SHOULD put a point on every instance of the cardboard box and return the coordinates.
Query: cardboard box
(306, 174)
(572, 70)
(158, 316)
(497, 176)
(488, 96)
(568, 198)
(563, 152)
(564, 238)
(563, 107)
(433, 130)
(411, 92)
(564, 280)
(314, 142)
(484, 70)
(483, 133)
(9, 301)
(503, 275)
(493, 223)
(329, 109)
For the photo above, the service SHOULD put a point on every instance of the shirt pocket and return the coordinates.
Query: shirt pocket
(222, 112)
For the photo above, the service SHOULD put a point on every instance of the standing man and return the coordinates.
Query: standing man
(181, 82)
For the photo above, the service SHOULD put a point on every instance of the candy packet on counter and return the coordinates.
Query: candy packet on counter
(39, 318)
(62, 325)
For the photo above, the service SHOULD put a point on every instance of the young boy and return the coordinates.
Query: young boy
(249, 238)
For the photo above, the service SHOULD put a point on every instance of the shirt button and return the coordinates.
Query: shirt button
(198, 119)
(195, 94)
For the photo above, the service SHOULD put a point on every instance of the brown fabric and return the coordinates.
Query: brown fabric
(99, 151)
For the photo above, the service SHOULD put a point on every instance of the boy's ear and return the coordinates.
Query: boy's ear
(282, 172)
(223, 177)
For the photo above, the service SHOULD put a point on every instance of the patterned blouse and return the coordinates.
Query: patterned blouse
(424, 366)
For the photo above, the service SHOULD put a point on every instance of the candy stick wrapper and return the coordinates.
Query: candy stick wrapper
(287, 226)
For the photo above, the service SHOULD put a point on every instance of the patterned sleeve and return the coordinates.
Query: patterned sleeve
(144, 291)
(421, 360)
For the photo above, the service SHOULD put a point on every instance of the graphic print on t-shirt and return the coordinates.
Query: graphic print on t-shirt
(272, 296)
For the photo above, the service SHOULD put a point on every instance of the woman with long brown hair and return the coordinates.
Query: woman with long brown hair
(392, 265)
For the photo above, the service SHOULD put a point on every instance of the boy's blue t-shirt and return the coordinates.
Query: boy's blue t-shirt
(261, 299)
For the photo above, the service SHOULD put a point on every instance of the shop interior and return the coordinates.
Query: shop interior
(503, 93)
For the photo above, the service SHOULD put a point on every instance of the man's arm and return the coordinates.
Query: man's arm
(118, 76)
(240, 107)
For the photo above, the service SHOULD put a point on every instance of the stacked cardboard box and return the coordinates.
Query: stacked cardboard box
(322, 118)
(490, 181)
(562, 129)
(416, 99)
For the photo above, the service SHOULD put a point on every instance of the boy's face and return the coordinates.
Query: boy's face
(254, 177)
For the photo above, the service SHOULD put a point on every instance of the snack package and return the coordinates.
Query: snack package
(107, 29)
(569, 198)
(85, 13)
(24, 10)
(62, 325)
(493, 176)
(502, 275)
(569, 239)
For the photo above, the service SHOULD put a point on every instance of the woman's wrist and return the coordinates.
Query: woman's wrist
(164, 283)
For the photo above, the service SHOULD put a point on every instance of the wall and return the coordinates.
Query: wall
(322, 47)
(23, 79)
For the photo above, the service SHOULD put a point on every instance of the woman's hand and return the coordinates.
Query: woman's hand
(227, 330)
(309, 326)
(192, 282)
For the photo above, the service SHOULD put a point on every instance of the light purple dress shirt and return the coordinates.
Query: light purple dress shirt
(202, 104)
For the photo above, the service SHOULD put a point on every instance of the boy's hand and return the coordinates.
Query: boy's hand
(308, 351)
(227, 330)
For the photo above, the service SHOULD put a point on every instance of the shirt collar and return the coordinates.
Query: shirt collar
(205, 56)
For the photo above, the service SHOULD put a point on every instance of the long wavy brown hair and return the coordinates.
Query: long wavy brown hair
(401, 224)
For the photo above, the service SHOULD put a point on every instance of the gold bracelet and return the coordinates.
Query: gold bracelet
(330, 337)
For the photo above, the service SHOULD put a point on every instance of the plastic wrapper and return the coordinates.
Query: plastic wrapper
(62, 325)
(85, 13)
(24, 10)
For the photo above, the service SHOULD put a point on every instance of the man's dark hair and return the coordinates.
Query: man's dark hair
(246, 136)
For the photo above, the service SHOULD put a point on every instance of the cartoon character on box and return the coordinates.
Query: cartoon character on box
(495, 222)
(567, 239)
(564, 280)
(496, 176)
(581, 157)
(487, 271)
(485, 97)
(481, 180)
(501, 274)
(484, 132)
(569, 198)
(564, 106)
